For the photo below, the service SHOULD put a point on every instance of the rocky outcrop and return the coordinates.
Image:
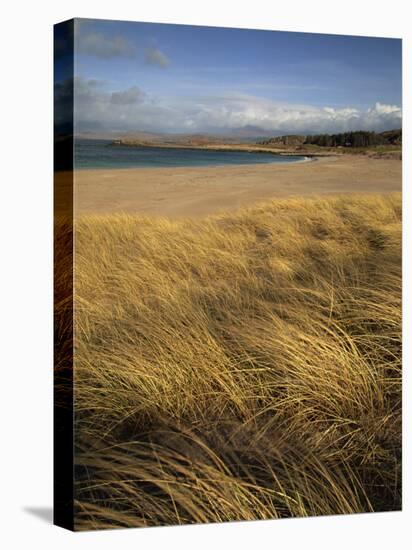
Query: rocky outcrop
(290, 141)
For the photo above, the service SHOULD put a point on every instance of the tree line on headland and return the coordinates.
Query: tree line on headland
(346, 139)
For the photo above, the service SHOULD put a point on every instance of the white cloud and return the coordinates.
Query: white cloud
(133, 110)
(154, 56)
(127, 97)
(386, 109)
(98, 44)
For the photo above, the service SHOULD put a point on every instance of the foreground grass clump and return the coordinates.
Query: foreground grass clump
(245, 366)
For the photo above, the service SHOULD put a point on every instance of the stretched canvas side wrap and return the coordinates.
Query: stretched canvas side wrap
(228, 268)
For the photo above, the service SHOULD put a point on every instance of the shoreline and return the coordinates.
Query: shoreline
(221, 147)
(305, 158)
(196, 192)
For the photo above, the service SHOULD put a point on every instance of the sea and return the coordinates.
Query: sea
(93, 153)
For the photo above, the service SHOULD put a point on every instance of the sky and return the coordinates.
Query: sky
(177, 78)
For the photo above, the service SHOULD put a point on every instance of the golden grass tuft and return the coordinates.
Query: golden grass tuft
(243, 366)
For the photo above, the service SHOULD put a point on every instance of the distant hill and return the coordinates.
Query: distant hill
(175, 138)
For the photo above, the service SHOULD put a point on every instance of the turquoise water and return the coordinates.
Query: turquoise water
(91, 153)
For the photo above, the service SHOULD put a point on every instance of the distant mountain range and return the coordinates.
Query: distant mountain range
(254, 134)
(244, 134)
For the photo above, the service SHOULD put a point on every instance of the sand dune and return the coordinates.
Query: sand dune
(243, 367)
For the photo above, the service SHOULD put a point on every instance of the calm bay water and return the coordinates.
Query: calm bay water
(91, 153)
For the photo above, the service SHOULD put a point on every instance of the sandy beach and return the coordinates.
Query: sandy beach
(193, 192)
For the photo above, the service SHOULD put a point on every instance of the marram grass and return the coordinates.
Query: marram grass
(243, 366)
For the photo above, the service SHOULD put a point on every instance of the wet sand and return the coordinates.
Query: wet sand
(193, 192)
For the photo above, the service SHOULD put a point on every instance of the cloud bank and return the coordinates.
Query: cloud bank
(133, 110)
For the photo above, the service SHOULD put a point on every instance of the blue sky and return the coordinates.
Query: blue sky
(176, 78)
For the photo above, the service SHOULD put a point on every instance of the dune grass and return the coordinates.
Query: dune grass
(244, 366)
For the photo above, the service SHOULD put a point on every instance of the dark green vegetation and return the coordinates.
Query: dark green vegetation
(346, 139)
(356, 139)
